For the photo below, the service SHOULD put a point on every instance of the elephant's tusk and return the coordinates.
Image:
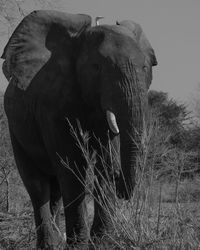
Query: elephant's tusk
(10, 79)
(112, 121)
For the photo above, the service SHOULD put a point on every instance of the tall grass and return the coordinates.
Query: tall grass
(164, 211)
(147, 221)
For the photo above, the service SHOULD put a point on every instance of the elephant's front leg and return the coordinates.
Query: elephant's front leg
(102, 193)
(104, 189)
(73, 193)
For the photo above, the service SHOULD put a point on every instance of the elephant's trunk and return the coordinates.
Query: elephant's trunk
(130, 118)
(129, 148)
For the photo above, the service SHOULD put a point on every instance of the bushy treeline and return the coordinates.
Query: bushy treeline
(6, 158)
(176, 131)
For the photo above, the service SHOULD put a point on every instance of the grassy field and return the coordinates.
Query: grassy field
(158, 217)
(164, 212)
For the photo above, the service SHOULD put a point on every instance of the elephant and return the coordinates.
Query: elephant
(61, 70)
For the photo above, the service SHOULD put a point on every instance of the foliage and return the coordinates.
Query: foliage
(175, 124)
(12, 11)
(171, 114)
(175, 119)
(195, 104)
(6, 157)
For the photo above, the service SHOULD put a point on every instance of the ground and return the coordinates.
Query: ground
(163, 217)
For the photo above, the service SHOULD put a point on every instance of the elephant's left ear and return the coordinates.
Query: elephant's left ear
(144, 45)
(141, 40)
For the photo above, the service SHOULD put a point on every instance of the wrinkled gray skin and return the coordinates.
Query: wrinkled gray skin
(59, 67)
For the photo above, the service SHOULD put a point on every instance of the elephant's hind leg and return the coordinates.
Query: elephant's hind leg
(38, 187)
(103, 202)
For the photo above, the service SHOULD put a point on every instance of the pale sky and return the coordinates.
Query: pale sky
(173, 29)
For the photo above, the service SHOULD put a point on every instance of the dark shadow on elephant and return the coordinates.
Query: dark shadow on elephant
(59, 67)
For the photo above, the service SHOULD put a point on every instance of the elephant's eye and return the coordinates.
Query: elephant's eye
(96, 67)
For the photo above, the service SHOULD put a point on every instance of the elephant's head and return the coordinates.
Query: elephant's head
(115, 71)
(112, 65)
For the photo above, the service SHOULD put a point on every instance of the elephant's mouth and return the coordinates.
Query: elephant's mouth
(111, 119)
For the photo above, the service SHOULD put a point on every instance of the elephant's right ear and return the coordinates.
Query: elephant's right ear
(141, 39)
(39, 35)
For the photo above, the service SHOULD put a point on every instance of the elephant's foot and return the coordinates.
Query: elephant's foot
(100, 227)
(76, 245)
(99, 241)
(50, 245)
(102, 223)
(100, 232)
(49, 238)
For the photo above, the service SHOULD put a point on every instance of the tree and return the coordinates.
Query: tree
(6, 157)
(12, 11)
(171, 114)
(195, 104)
(176, 125)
